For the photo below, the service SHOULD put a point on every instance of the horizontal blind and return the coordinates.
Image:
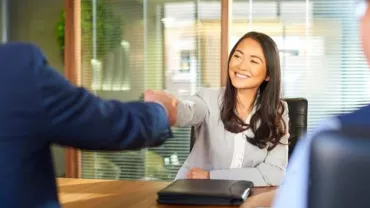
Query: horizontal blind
(156, 44)
(321, 56)
(175, 45)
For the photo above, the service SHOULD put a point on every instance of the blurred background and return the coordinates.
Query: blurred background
(128, 46)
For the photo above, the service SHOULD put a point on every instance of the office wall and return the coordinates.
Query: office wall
(35, 21)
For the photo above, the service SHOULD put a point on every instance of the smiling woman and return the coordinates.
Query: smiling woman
(251, 141)
(254, 69)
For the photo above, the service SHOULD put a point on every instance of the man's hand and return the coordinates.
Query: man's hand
(197, 173)
(168, 101)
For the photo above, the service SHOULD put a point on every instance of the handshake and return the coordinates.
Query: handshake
(168, 101)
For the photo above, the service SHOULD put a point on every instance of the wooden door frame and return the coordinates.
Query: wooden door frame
(226, 12)
(72, 70)
(73, 62)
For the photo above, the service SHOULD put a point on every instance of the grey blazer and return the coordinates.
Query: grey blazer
(214, 146)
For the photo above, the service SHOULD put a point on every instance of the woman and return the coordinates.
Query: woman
(242, 129)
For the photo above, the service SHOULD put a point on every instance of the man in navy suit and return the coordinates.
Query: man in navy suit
(39, 107)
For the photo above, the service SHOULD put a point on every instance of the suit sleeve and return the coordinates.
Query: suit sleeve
(75, 117)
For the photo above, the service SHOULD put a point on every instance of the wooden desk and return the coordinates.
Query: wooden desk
(90, 193)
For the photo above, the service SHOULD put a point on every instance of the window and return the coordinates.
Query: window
(321, 57)
(129, 46)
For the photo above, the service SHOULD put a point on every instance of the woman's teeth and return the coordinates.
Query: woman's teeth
(241, 76)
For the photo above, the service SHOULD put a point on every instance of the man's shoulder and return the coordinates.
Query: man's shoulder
(20, 60)
(361, 115)
(352, 121)
(19, 52)
(356, 122)
(19, 46)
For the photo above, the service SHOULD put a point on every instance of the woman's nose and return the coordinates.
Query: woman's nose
(243, 65)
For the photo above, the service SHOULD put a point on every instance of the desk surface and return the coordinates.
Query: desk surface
(111, 193)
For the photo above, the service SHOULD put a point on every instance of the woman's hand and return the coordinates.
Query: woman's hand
(168, 101)
(198, 173)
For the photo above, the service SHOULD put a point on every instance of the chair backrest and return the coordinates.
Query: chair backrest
(298, 108)
(339, 171)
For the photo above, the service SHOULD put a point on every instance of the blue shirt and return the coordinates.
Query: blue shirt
(293, 191)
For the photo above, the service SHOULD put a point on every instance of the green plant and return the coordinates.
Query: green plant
(108, 27)
(61, 31)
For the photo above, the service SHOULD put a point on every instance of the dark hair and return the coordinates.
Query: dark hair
(271, 127)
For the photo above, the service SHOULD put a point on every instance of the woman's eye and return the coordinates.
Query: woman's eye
(254, 62)
(236, 56)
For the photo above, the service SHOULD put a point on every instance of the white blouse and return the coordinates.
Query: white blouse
(239, 149)
(240, 141)
(224, 154)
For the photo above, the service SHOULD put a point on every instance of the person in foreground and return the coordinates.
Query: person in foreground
(39, 107)
(242, 129)
(293, 191)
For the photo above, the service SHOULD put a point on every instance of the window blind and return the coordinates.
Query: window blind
(129, 46)
(175, 45)
(321, 56)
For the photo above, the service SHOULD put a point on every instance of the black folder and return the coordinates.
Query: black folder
(205, 192)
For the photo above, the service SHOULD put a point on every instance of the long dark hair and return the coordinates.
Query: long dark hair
(269, 116)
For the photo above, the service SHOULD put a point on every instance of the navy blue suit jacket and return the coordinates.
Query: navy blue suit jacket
(39, 107)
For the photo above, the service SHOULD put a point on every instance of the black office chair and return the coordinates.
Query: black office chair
(298, 108)
(339, 171)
